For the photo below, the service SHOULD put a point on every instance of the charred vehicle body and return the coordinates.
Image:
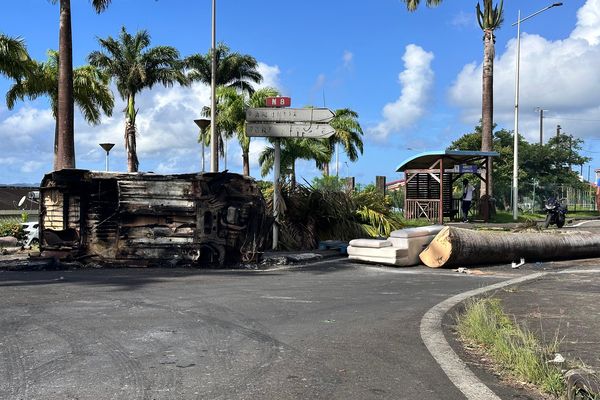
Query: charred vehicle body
(209, 219)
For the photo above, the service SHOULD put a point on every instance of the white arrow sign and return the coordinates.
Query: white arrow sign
(289, 115)
(301, 130)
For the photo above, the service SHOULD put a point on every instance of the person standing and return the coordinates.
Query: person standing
(467, 198)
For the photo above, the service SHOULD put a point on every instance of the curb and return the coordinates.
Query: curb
(581, 384)
(433, 337)
(275, 260)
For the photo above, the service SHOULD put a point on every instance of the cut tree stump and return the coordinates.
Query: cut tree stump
(458, 246)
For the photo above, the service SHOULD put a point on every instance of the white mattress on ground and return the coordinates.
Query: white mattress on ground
(416, 232)
(384, 252)
(371, 243)
(399, 262)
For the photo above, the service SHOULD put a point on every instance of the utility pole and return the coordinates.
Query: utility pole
(541, 110)
(570, 152)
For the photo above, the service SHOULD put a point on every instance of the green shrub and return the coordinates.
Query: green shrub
(311, 215)
(12, 229)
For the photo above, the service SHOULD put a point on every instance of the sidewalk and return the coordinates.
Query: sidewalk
(563, 306)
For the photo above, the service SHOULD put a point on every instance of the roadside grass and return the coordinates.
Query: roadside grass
(503, 217)
(414, 223)
(517, 352)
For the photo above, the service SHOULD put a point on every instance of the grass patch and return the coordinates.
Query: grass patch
(504, 217)
(414, 223)
(514, 349)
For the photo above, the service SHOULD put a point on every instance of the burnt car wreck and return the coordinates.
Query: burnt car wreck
(210, 219)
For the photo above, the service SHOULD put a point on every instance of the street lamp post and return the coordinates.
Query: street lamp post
(202, 124)
(515, 188)
(107, 147)
(214, 142)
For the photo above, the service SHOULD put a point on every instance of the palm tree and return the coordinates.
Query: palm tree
(90, 92)
(14, 59)
(231, 115)
(65, 113)
(135, 67)
(413, 4)
(233, 69)
(489, 20)
(348, 133)
(292, 150)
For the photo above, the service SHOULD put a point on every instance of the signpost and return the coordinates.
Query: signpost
(286, 123)
(320, 115)
(286, 130)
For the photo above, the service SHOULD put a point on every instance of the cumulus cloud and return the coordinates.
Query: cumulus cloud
(560, 76)
(416, 81)
(270, 75)
(166, 141)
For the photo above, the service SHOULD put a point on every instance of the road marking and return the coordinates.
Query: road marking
(433, 337)
(580, 223)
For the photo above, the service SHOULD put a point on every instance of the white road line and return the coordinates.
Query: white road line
(580, 223)
(433, 337)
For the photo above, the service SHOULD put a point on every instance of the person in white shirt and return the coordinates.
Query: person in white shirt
(467, 198)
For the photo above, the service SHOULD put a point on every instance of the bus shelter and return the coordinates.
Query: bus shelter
(430, 177)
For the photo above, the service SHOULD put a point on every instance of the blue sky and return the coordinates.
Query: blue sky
(414, 78)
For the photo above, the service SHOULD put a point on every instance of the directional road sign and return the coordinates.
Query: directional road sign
(285, 130)
(289, 115)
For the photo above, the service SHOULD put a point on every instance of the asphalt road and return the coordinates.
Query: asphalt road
(336, 330)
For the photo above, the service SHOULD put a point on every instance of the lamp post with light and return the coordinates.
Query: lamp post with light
(515, 189)
(202, 124)
(107, 147)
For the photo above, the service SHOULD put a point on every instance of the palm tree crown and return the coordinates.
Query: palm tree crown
(233, 69)
(135, 67)
(348, 133)
(90, 91)
(292, 150)
(412, 5)
(14, 60)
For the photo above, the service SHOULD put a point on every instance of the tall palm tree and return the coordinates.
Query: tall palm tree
(348, 133)
(292, 150)
(65, 114)
(14, 59)
(90, 92)
(231, 115)
(412, 5)
(134, 68)
(233, 69)
(489, 20)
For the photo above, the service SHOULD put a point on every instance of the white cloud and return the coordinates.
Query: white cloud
(347, 58)
(588, 23)
(462, 20)
(416, 81)
(21, 127)
(166, 141)
(270, 75)
(560, 76)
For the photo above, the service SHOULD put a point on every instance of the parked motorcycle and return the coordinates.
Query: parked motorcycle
(556, 212)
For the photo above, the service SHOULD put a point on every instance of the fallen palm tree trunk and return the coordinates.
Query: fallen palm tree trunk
(457, 246)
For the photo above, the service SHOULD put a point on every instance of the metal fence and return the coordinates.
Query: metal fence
(7, 216)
